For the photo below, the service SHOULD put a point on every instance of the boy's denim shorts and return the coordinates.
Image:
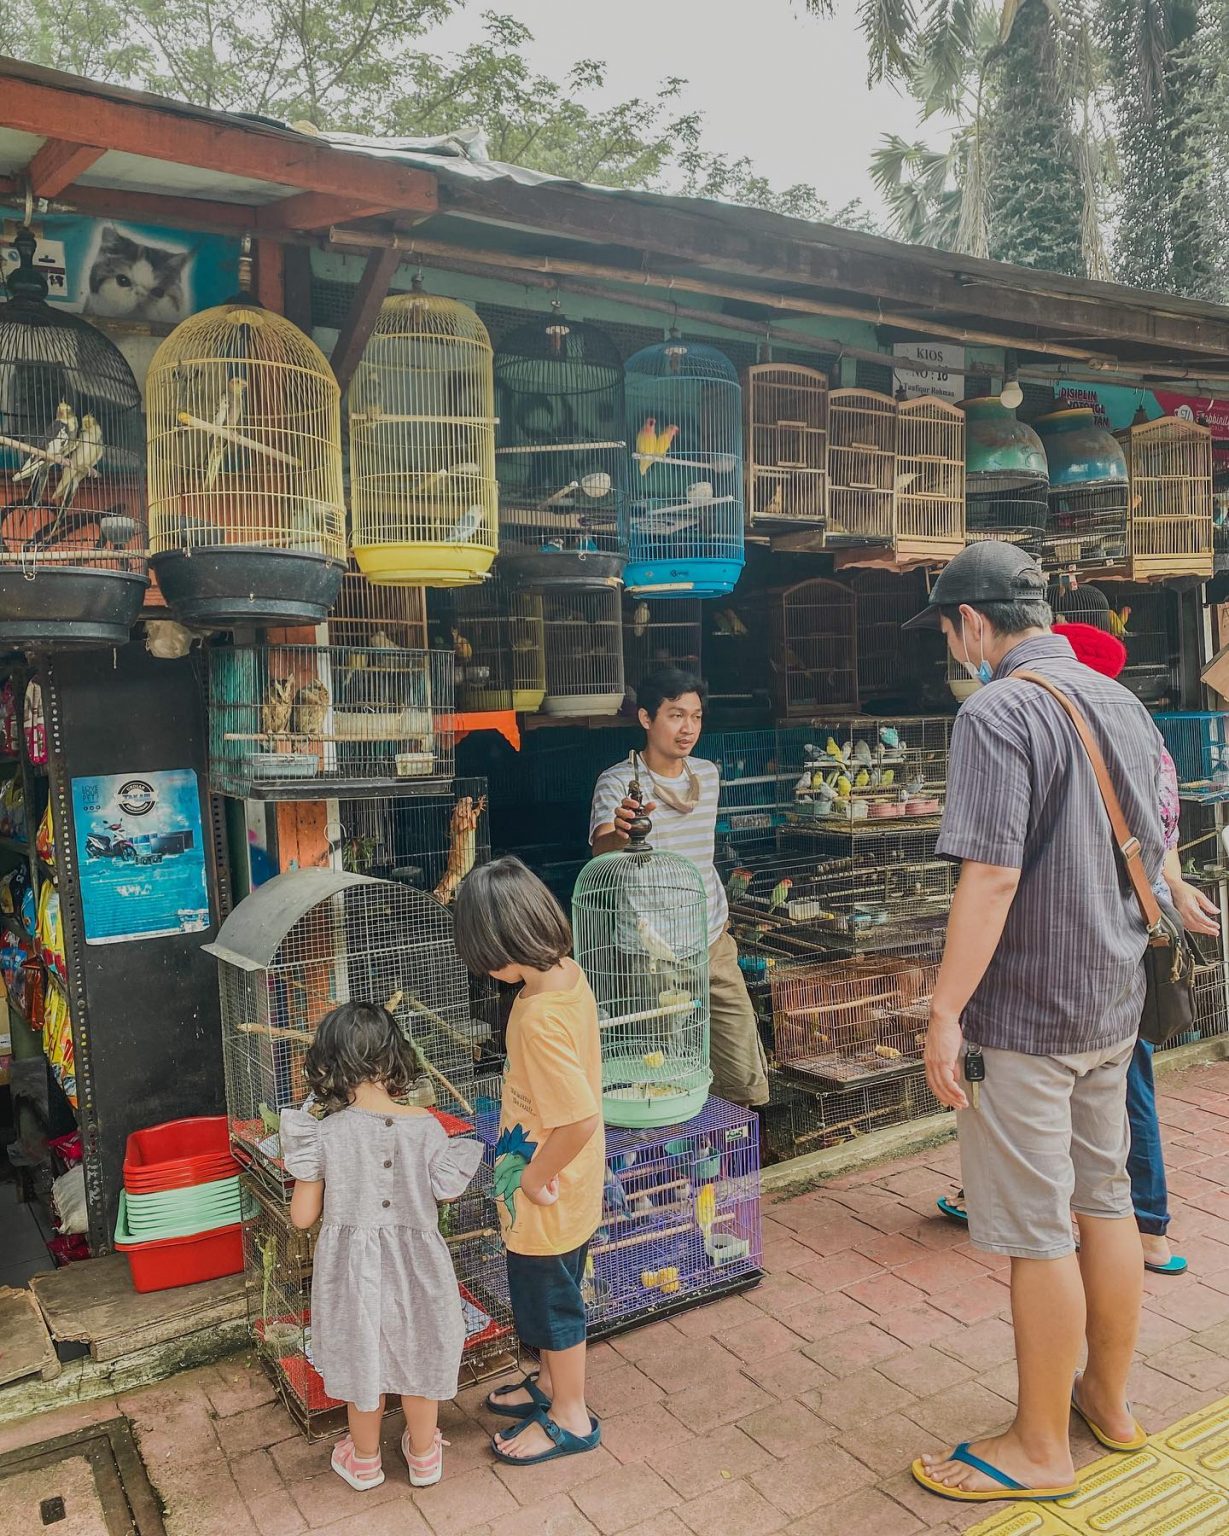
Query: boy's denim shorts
(547, 1303)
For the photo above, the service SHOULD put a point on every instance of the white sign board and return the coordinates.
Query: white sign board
(929, 368)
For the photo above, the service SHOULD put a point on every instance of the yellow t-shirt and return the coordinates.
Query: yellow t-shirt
(553, 1078)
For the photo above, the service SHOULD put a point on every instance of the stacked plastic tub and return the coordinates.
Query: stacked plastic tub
(180, 1212)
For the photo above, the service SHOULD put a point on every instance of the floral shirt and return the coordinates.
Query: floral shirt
(1167, 786)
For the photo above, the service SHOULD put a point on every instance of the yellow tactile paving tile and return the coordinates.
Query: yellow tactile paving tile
(1024, 1520)
(1201, 1441)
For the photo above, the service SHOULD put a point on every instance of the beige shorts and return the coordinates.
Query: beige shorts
(740, 1070)
(1049, 1136)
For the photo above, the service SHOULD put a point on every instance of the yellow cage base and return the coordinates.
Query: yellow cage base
(523, 701)
(424, 565)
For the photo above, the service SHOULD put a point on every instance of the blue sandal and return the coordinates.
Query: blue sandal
(1008, 1489)
(565, 1443)
(954, 1212)
(1175, 1265)
(538, 1402)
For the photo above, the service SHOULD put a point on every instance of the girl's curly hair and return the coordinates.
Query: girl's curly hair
(358, 1043)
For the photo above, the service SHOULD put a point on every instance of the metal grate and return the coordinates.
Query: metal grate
(1146, 620)
(1014, 511)
(1198, 742)
(868, 768)
(814, 660)
(889, 661)
(755, 786)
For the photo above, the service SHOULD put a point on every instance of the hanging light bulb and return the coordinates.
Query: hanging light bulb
(1011, 395)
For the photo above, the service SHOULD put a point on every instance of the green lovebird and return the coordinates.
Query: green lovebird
(780, 893)
(738, 884)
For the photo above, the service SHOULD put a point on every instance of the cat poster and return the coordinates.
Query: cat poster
(115, 272)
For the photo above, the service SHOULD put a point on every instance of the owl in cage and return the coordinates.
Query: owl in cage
(278, 704)
(311, 708)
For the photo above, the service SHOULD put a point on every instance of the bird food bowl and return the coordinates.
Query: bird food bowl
(582, 703)
(284, 765)
(415, 765)
(68, 606)
(726, 1248)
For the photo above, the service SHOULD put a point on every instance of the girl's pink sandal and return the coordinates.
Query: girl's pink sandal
(360, 1472)
(425, 1470)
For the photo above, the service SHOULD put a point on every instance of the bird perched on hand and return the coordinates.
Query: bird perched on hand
(1119, 619)
(228, 414)
(780, 894)
(652, 445)
(60, 441)
(738, 884)
(467, 525)
(311, 708)
(79, 459)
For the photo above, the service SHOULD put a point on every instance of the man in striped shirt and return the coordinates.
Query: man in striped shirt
(682, 798)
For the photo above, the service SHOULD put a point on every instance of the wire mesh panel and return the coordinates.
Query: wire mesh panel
(1089, 495)
(428, 842)
(499, 643)
(929, 484)
(1007, 479)
(657, 633)
(424, 502)
(797, 1120)
(684, 406)
(561, 454)
(1198, 742)
(1145, 619)
(864, 768)
(641, 926)
(295, 721)
(583, 636)
(368, 615)
(787, 445)
(815, 662)
(247, 515)
(72, 493)
(861, 466)
(1211, 1007)
(1170, 466)
(755, 781)
(890, 662)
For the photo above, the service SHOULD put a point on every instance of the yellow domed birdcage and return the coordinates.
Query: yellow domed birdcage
(247, 512)
(424, 501)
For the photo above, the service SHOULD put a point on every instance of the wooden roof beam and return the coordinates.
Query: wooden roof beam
(369, 294)
(58, 164)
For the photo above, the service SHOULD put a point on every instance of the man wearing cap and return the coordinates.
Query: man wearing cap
(1041, 990)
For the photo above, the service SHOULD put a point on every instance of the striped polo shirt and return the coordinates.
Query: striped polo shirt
(1067, 975)
(691, 834)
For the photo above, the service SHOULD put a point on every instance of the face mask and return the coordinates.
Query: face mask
(982, 673)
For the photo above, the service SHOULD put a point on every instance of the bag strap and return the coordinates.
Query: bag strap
(1128, 846)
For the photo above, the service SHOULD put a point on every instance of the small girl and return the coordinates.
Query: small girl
(386, 1312)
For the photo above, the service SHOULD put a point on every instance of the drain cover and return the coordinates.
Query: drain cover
(91, 1483)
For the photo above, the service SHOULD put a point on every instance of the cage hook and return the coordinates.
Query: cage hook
(29, 204)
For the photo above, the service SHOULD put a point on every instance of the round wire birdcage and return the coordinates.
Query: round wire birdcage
(424, 502)
(247, 513)
(561, 454)
(641, 926)
(685, 406)
(73, 541)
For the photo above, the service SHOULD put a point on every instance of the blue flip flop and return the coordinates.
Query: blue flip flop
(1175, 1266)
(538, 1399)
(953, 1211)
(564, 1442)
(1008, 1489)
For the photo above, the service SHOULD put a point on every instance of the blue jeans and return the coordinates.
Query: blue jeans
(1146, 1162)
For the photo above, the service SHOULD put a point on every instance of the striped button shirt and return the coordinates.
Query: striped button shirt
(691, 834)
(1067, 974)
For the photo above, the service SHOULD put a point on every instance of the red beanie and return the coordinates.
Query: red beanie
(1096, 648)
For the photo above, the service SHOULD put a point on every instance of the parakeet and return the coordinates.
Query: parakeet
(640, 620)
(1119, 619)
(886, 778)
(228, 414)
(278, 704)
(467, 525)
(738, 884)
(776, 503)
(780, 893)
(311, 708)
(862, 754)
(60, 441)
(833, 751)
(737, 627)
(805, 783)
(889, 736)
(861, 779)
(843, 787)
(706, 1208)
(79, 458)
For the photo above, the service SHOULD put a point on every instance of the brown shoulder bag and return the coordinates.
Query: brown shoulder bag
(1169, 960)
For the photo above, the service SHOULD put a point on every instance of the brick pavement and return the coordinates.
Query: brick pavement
(877, 1333)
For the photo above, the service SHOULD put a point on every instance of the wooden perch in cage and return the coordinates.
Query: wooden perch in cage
(40, 453)
(476, 1235)
(657, 1232)
(665, 1011)
(432, 1017)
(240, 439)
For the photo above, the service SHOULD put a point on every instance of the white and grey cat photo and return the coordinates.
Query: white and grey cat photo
(132, 279)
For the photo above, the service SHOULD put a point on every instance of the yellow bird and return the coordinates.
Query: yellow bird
(1119, 621)
(833, 751)
(706, 1207)
(861, 779)
(843, 787)
(652, 445)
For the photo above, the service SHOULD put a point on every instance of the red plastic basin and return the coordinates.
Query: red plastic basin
(159, 1148)
(167, 1262)
(142, 1181)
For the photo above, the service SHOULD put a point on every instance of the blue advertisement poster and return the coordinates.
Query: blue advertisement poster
(141, 854)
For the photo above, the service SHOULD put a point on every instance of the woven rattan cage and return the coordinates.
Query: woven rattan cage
(583, 635)
(861, 466)
(499, 644)
(929, 484)
(247, 516)
(72, 492)
(786, 409)
(424, 503)
(1169, 462)
(814, 657)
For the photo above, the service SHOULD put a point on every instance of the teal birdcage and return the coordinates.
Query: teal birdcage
(684, 407)
(1007, 478)
(1089, 493)
(641, 925)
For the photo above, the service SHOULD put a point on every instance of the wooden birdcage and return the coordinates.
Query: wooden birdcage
(929, 520)
(1007, 482)
(561, 454)
(814, 660)
(684, 406)
(1089, 494)
(499, 643)
(787, 445)
(1169, 462)
(861, 467)
(424, 502)
(247, 515)
(72, 493)
(371, 615)
(583, 641)
(659, 634)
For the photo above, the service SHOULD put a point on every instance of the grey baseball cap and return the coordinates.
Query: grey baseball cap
(985, 572)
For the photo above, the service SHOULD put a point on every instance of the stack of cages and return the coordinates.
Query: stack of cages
(868, 768)
(1169, 462)
(786, 409)
(561, 455)
(800, 1118)
(1198, 742)
(815, 661)
(583, 643)
(295, 948)
(861, 467)
(755, 785)
(929, 482)
(1007, 481)
(1089, 494)
(378, 617)
(657, 633)
(498, 641)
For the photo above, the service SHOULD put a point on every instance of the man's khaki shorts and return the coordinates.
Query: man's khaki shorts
(740, 1071)
(1050, 1136)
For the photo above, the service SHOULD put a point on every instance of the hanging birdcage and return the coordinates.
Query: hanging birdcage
(861, 466)
(659, 634)
(787, 445)
(247, 514)
(73, 541)
(583, 635)
(561, 455)
(1007, 481)
(929, 512)
(429, 841)
(423, 498)
(868, 768)
(814, 661)
(640, 919)
(498, 639)
(369, 615)
(1169, 462)
(295, 722)
(685, 408)
(1087, 529)
(893, 665)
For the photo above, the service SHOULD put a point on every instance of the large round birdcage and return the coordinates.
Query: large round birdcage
(1007, 479)
(423, 497)
(641, 926)
(247, 513)
(72, 492)
(1089, 493)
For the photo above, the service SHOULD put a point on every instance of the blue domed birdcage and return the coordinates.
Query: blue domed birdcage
(1007, 478)
(561, 455)
(1089, 492)
(684, 407)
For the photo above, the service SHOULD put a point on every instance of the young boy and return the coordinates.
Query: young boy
(550, 1157)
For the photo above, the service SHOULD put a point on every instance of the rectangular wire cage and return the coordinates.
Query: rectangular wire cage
(786, 409)
(499, 646)
(428, 842)
(861, 467)
(1211, 1008)
(1087, 529)
(929, 482)
(869, 768)
(660, 632)
(293, 722)
(1198, 742)
(583, 639)
(1146, 619)
(1169, 462)
(755, 782)
(367, 615)
(798, 1119)
(814, 661)
(891, 664)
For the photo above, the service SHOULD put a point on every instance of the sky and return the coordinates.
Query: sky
(774, 83)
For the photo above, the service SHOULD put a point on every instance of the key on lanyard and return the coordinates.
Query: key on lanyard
(974, 1074)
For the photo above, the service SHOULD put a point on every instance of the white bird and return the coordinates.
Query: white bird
(79, 460)
(467, 525)
(59, 442)
(862, 754)
(653, 944)
(640, 620)
(228, 414)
